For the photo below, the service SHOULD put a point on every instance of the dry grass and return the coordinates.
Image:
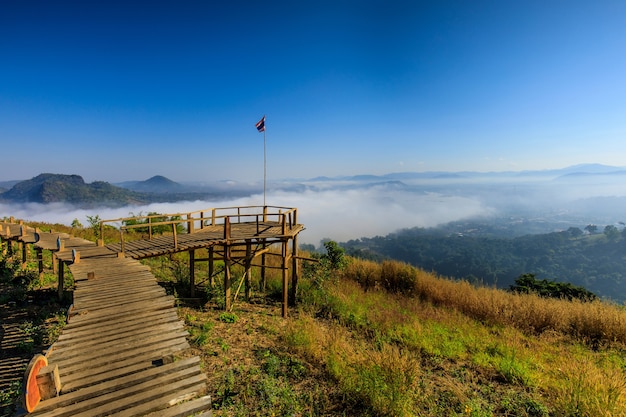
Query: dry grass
(390, 340)
(594, 323)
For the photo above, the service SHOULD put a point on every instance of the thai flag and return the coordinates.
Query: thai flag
(260, 126)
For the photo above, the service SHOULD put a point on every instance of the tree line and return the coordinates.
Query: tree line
(593, 258)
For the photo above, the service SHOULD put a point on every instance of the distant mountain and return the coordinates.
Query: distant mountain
(156, 184)
(578, 176)
(51, 188)
(581, 169)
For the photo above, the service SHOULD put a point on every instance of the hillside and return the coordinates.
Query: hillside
(386, 339)
(156, 184)
(71, 189)
(592, 260)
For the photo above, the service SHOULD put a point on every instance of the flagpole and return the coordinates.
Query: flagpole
(264, 166)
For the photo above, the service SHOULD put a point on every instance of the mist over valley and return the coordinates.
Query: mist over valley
(361, 210)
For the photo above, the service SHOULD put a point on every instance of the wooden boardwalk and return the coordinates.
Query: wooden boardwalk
(124, 350)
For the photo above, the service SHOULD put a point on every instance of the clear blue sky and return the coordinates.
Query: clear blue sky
(118, 90)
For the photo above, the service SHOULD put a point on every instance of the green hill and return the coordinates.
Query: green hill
(72, 189)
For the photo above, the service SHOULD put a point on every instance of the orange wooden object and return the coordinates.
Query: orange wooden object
(31, 390)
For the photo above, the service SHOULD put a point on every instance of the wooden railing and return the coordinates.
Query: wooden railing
(196, 221)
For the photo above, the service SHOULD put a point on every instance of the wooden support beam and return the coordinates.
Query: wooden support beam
(227, 281)
(192, 273)
(293, 295)
(39, 252)
(24, 253)
(211, 268)
(285, 279)
(248, 269)
(60, 279)
(263, 282)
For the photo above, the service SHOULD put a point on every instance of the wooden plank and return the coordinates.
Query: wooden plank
(131, 300)
(152, 400)
(109, 351)
(103, 292)
(122, 337)
(86, 332)
(121, 334)
(91, 376)
(159, 403)
(97, 327)
(105, 321)
(102, 363)
(125, 391)
(85, 316)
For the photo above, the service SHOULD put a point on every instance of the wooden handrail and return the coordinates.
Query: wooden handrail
(224, 216)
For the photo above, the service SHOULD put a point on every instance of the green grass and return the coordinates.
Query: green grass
(390, 340)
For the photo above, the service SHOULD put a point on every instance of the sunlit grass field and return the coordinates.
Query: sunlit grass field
(387, 339)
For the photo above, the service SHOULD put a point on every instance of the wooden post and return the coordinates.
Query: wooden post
(248, 268)
(48, 382)
(294, 272)
(190, 225)
(24, 253)
(285, 278)
(9, 244)
(2, 240)
(284, 223)
(227, 277)
(39, 252)
(227, 227)
(101, 234)
(211, 272)
(192, 272)
(60, 280)
(75, 256)
(122, 248)
(263, 282)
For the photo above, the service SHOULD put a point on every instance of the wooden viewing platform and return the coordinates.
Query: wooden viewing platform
(124, 349)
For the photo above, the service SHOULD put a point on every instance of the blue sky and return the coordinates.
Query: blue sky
(119, 90)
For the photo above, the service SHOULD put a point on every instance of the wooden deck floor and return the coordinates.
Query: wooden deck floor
(124, 350)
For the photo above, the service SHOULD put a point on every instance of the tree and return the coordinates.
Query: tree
(334, 255)
(591, 228)
(574, 232)
(611, 232)
(94, 224)
(527, 283)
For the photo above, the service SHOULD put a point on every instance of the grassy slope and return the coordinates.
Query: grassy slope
(348, 351)
(389, 340)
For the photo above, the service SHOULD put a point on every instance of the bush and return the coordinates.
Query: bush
(527, 283)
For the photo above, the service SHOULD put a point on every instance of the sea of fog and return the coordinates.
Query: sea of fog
(349, 210)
